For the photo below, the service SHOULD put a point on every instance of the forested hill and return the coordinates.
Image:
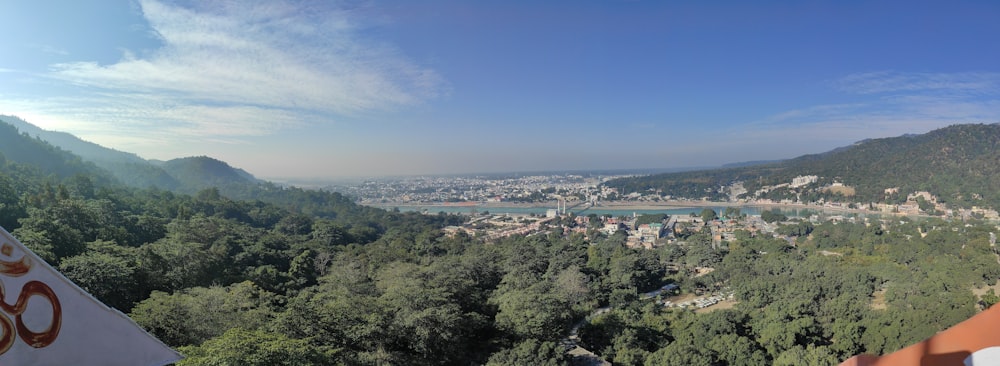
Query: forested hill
(958, 164)
(182, 175)
(85, 149)
(40, 156)
(31, 164)
(128, 168)
(195, 173)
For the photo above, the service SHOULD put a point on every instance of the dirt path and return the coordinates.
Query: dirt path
(582, 356)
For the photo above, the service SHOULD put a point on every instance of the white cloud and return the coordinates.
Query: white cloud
(814, 113)
(233, 68)
(50, 49)
(935, 98)
(884, 104)
(889, 81)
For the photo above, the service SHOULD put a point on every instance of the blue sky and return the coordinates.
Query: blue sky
(392, 87)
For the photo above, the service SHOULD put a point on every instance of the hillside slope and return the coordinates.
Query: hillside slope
(958, 164)
(23, 149)
(128, 168)
(199, 172)
(184, 175)
(28, 154)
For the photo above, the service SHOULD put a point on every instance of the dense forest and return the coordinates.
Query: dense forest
(956, 163)
(300, 277)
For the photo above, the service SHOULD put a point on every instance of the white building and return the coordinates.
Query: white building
(803, 180)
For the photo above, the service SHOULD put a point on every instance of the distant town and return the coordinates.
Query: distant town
(564, 204)
(577, 192)
(482, 189)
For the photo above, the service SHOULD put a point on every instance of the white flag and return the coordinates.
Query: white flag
(47, 320)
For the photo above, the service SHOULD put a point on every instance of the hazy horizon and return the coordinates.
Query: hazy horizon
(306, 90)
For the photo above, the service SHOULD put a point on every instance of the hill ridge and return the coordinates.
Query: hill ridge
(955, 164)
(185, 175)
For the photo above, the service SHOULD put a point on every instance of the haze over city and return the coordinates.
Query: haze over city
(358, 88)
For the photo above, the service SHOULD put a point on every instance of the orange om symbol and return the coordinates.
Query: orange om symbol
(13, 329)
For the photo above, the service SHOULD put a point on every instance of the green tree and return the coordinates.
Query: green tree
(535, 312)
(926, 206)
(57, 229)
(811, 355)
(989, 299)
(194, 315)
(335, 318)
(242, 347)
(171, 265)
(572, 285)
(682, 354)
(11, 208)
(708, 214)
(426, 322)
(732, 212)
(772, 216)
(109, 278)
(529, 352)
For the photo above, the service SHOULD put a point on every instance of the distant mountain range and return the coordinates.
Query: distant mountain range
(959, 164)
(67, 155)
